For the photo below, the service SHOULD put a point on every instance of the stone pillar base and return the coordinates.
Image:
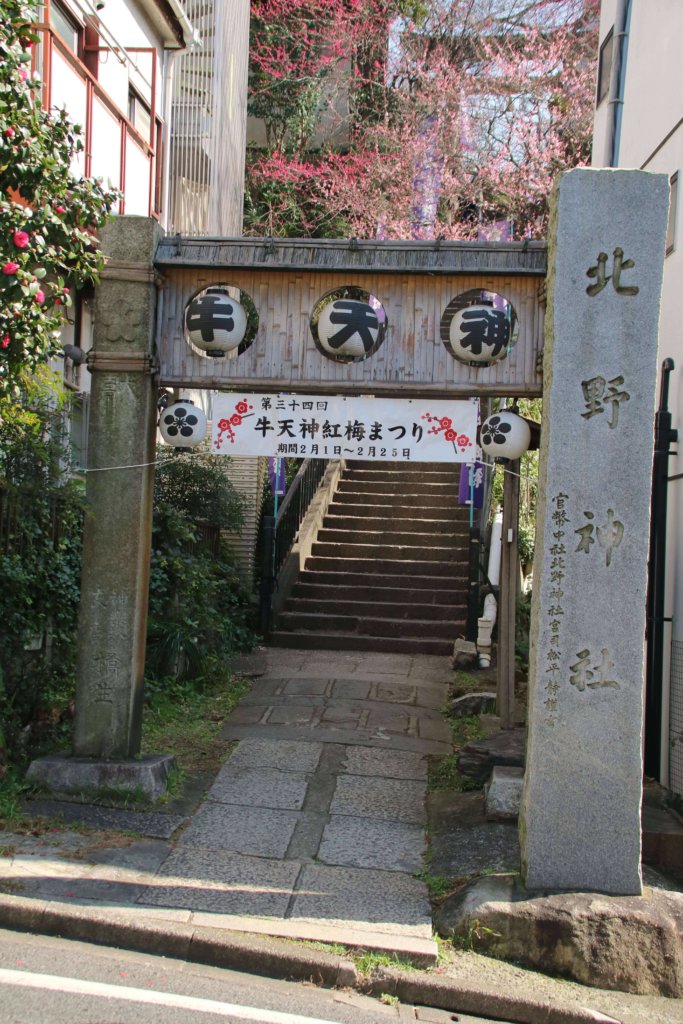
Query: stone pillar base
(61, 773)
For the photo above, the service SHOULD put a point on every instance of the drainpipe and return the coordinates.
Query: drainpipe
(622, 27)
(488, 619)
(169, 59)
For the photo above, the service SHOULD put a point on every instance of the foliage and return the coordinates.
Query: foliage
(41, 510)
(47, 213)
(522, 631)
(198, 604)
(187, 721)
(392, 119)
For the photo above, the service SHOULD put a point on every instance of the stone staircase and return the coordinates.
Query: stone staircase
(389, 568)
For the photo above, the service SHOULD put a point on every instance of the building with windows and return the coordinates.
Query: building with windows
(639, 124)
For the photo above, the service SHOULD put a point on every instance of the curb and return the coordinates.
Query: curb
(275, 958)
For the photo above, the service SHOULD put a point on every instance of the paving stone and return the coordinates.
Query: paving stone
(288, 715)
(141, 856)
(387, 799)
(246, 715)
(364, 843)
(286, 755)
(152, 824)
(255, 787)
(351, 689)
(306, 687)
(223, 883)
(389, 764)
(470, 850)
(399, 723)
(346, 717)
(434, 729)
(379, 901)
(258, 831)
(396, 693)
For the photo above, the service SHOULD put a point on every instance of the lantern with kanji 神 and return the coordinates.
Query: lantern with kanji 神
(505, 436)
(215, 323)
(183, 425)
(480, 334)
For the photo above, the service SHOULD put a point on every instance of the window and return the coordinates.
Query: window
(673, 214)
(139, 114)
(65, 26)
(605, 65)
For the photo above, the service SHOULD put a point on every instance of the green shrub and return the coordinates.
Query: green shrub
(199, 607)
(41, 511)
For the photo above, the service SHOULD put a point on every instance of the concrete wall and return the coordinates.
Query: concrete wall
(652, 139)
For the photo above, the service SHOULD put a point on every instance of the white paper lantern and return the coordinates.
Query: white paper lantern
(479, 334)
(183, 425)
(505, 436)
(347, 327)
(215, 322)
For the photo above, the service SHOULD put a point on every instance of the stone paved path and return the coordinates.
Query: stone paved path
(314, 828)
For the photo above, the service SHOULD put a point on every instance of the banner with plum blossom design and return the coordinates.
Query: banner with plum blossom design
(324, 427)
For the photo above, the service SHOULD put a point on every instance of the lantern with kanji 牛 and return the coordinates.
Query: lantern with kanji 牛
(215, 323)
(505, 436)
(183, 425)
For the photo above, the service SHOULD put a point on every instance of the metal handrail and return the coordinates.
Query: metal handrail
(279, 533)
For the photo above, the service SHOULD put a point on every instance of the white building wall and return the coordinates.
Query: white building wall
(652, 139)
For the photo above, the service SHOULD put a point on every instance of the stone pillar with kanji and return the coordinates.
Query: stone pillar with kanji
(580, 820)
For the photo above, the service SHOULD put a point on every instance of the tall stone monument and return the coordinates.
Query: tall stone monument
(580, 819)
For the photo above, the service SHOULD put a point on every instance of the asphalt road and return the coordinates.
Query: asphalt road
(57, 981)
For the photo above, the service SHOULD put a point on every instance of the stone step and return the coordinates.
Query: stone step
(400, 515)
(427, 493)
(427, 476)
(394, 538)
(399, 590)
(357, 624)
(407, 468)
(386, 567)
(352, 642)
(392, 552)
(415, 524)
(402, 504)
(455, 584)
(359, 606)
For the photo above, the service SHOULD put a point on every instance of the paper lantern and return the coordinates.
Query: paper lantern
(347, 327)
(183, 425)
(505, 436)
(479, 334)
(215, 323)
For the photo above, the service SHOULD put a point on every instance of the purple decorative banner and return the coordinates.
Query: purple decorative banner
(471, 484)
(276, 473)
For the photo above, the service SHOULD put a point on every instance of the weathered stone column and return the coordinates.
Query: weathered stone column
(117, 538)
(580, 820)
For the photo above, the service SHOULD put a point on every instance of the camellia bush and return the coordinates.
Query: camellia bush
(47, 214)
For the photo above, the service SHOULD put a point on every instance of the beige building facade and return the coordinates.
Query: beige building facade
(639, 124)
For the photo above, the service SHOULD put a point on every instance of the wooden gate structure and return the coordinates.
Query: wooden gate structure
(415, 282)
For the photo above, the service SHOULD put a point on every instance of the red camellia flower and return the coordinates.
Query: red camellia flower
(9, 133)
(10, 268)
(21, 239)
(5, 341)
(60, 209)
(23, 74)
(40, 297)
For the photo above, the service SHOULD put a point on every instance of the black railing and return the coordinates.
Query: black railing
(279, 533)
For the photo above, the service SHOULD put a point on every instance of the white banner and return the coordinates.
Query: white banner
(376, 429)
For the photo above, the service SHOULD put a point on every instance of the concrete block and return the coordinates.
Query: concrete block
(63, 774)
(503, 793)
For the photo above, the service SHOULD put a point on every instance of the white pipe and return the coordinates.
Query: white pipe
(490, 603)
